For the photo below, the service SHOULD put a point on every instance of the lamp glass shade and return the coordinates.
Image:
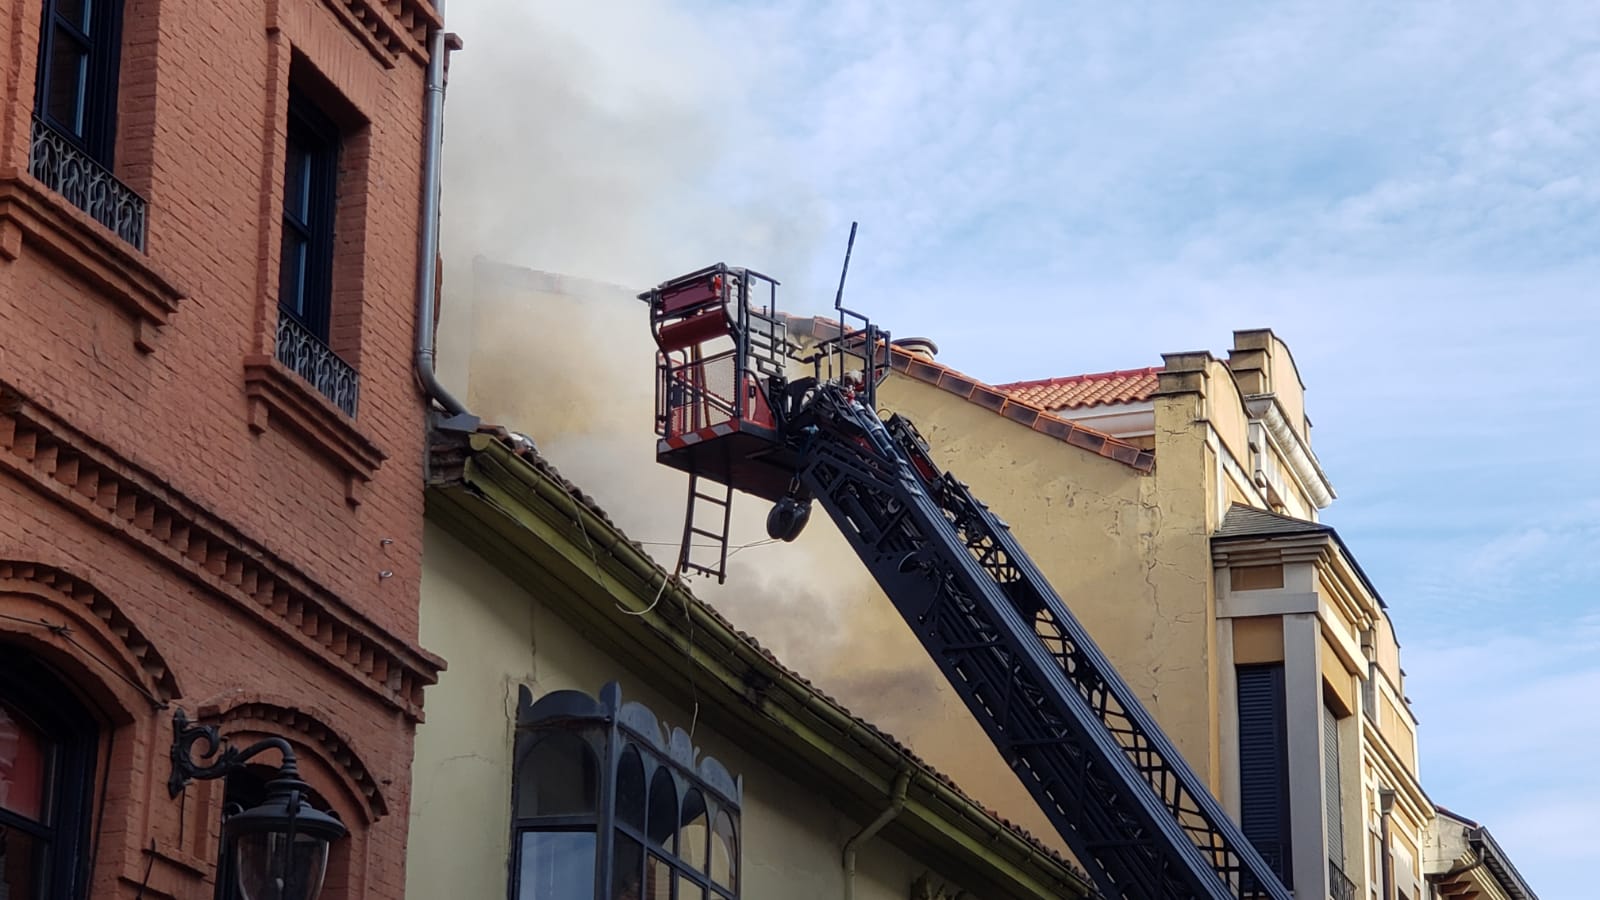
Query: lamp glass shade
(281, 845)
(273, 866)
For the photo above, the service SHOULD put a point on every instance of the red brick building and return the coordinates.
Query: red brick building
(211, 436)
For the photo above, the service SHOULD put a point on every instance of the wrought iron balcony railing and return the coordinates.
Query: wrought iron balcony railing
(1340, 887)
(312, 360)
(85, 183)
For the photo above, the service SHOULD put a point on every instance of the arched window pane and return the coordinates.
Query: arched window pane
(694, 832)
(558, 777)
(725, 852)
(663, 809)
(23, 755)
(630, 789)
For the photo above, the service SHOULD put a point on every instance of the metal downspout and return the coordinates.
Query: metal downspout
(897, 802)
(439, 46)
(1386, 863)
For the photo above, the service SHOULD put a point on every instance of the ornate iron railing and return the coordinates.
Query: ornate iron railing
(86, 184)
(1340, 887)
(312, 360)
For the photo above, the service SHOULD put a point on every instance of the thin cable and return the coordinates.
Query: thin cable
(64, 632)
(659, 591)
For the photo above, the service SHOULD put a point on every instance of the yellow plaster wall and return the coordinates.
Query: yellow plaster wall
(1266, 366)
(1127, 552)
(1225, 409)
(496, 635)
(1257, 639)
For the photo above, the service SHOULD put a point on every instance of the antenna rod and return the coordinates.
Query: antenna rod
(838, 298)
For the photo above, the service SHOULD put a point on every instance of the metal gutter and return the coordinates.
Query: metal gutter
(897, 802)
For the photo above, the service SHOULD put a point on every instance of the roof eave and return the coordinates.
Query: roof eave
(524, 518)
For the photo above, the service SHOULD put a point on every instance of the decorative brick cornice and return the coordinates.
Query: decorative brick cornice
(97, 484)
(311, 723)
(33, 216)
(21, 574)
(390, 28)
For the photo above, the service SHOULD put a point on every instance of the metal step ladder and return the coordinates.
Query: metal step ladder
(705, 505)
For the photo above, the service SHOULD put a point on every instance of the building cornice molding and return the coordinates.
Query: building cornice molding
(106, 489)
(389, 29)
(1303, 463)
(23, 576)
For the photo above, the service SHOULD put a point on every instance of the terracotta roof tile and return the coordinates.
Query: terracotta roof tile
(1083, 391)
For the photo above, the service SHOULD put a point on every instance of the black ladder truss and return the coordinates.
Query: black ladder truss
(1127, 804)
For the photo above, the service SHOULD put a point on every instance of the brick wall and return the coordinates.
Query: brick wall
(261, 543)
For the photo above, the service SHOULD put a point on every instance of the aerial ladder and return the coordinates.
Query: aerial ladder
(739, 407)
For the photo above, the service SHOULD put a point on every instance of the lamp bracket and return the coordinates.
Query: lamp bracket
(218, 757)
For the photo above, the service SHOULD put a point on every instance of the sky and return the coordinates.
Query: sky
(1404, 191)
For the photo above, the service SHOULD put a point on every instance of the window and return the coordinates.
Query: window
(1332, 786)
(305, 272)
(310, 176)
(1264, 766)
(47, 757)
(609, 805)
(75, 113)
(77, 82)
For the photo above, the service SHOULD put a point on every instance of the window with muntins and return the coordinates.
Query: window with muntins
(74, 130)
(77, 83)
(47, 757)
(310, 180)
(305, 270)
(1264, 766)
(609, 804)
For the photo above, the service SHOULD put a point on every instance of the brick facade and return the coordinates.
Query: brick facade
(212, 532)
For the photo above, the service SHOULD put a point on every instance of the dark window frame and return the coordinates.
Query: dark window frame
(42, 696)
(1264, 814)
(95, 131)
(314, 140)
(613, 732)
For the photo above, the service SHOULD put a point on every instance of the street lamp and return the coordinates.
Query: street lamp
(280, 845)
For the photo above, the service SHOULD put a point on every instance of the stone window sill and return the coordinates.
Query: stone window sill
(33, 217)
(279, 398)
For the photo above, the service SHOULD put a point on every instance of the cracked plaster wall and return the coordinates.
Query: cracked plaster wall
(1129, 554)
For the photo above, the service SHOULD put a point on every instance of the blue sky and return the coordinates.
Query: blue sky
(1405, 192)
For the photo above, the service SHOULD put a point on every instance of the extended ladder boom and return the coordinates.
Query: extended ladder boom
(1093, 758)
(1121, 796)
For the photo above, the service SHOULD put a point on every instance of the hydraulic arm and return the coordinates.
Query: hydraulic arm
(1115, 788)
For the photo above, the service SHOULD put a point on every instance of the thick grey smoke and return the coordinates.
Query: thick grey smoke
(583, 139)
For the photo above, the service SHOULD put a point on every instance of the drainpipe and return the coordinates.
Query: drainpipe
(1385, 864)
(439, 46)
(897, 802)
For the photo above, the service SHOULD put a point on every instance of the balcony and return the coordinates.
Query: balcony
(64, 168)
(1339, 886)
(312, 360)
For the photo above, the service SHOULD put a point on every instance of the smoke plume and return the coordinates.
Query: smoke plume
(584, 139)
